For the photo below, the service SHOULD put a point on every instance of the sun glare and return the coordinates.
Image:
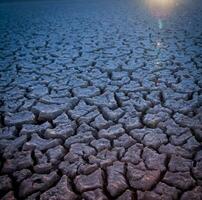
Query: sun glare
(161, 8)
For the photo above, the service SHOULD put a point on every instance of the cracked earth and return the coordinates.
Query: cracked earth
(99, 103)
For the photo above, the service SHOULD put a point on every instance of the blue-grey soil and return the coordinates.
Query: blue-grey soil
(101, 100)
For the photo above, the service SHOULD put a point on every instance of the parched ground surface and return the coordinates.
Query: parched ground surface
(99, 103)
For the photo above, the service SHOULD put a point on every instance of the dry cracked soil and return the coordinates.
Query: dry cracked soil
(100, 100)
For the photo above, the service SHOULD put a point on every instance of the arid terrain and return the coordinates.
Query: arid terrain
(100, 100)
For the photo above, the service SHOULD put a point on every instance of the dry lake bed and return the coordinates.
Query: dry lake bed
(101, 100)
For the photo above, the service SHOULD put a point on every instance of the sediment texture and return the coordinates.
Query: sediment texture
(99, 103)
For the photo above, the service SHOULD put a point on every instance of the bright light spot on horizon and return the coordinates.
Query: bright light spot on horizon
(161, 8)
